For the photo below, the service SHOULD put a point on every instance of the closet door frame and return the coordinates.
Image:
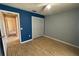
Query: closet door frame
(32, 24)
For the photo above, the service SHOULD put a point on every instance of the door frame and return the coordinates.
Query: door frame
(32, 25)
(18, 22)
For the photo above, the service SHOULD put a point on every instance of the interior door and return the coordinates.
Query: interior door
(10, 24)
(37, 27)
(3, 33)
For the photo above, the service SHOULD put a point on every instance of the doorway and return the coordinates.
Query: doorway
(10, 28)
(37, 27)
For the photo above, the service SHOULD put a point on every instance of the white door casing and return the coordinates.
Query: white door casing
(3, 33)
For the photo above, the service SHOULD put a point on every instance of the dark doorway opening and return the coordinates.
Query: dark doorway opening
(1, 46)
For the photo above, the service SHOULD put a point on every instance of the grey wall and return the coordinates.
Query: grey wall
(64, 26)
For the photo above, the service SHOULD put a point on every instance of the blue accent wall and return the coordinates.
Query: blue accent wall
(25, 21)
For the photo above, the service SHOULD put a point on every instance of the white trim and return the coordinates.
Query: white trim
(17, 23)
(26, 41)
(4, 43)
(62, 41)
(19, 27)
(32, 25)
(5, 11)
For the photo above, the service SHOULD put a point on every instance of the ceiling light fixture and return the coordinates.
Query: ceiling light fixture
(48, 6)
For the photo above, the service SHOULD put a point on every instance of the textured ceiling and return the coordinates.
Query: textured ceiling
(38, 7)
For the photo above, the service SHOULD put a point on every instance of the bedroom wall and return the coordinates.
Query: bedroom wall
(64, 26)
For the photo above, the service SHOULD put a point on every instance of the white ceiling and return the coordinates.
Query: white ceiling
(55, 7)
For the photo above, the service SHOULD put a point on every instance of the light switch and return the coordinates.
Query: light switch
(21, 28)
(29, 35)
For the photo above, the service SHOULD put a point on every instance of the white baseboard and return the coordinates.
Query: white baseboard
(26, 41)
(61, 41)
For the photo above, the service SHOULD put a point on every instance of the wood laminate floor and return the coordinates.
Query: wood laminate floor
(41, 46)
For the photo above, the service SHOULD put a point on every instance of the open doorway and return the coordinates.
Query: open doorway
(10, 28)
